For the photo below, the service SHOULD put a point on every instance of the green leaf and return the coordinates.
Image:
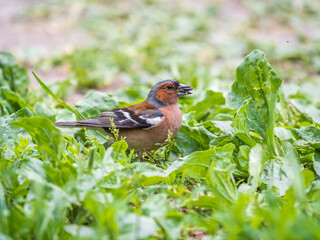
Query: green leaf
(308, 109)
(243, 157)
(278, 173)
(210, 202)
(284, 134)
(14, 83)
(120, 148)
(306, 141)
(137, 227)
(94, 103)
(257, 89)
(159, 207)
(42, 110)
(79, 231)
(316, 162)
(257, 158)
(219, 177)
(242, 125)
(192, 138)
(209, 104)
(307, 135)
(196, 165)
(7, 60)
(48, 138)
(9, 134)
(10, 101)
(12, 76)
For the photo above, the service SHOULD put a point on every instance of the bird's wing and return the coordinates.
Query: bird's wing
(141, 115)
(126, 118)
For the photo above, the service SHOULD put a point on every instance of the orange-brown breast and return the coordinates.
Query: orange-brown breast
(173, 117)
(155, 137)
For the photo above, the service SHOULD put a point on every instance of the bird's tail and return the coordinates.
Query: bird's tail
(66, 124)
(88, 123)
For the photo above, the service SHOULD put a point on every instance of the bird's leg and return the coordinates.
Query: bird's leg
(140, 154)
(150, 155)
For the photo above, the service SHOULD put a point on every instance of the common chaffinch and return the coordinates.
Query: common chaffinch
(144, 126)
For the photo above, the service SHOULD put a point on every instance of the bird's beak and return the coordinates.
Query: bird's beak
(184, 89)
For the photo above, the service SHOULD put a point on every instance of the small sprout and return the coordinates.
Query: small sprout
(114, 130)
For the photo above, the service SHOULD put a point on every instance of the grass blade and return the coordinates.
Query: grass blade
(47, 90)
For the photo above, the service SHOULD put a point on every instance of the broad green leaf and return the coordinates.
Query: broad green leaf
(257, 158)
(222, 131)
(146, 174)
(306, 141)
(33, 170)
(219, 176)
(196, 164)
(42, 110)
(224, 126)
(255, 80)
(120, 148)
(316, 162)
(10, 101)
(192, 138)
(242, 125)
(160, 208)
(8, 134)
(307, 135)
(101, 137)
(135, 226)
(257, 87)
(78, 231)
(243, 157)
(278, 173)
(12, 76)
(300, 176)
(284, 134)
(48, 138)
(4, 217)
(210, 202)
(209, 104)
(94, 103)
(310, 109)
(6, 59)
(218, 128)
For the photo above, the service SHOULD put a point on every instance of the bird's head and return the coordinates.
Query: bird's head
(167, 92)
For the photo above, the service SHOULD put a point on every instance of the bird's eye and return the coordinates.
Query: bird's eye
(169, 86)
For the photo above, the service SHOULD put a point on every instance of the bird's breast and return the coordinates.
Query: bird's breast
(173, 117)
(154, 137)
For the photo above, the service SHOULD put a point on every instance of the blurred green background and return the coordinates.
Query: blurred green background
(130, 45)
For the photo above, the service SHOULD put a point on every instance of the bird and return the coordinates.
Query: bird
(144, 126)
